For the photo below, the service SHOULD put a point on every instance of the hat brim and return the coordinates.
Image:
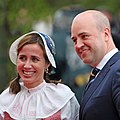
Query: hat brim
(13, 49)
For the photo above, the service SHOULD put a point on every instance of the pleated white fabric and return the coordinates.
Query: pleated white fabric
(39, 102)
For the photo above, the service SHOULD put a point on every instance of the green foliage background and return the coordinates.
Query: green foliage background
(17, 17)
(20, 15)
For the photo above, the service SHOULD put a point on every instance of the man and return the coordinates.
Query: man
(93, 42)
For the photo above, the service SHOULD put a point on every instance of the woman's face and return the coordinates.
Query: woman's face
(31, 65)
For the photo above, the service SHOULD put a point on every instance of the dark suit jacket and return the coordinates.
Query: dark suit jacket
(102, 99)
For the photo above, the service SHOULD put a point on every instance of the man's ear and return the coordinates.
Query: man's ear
(107, 33)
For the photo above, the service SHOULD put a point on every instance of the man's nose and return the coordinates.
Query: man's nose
(79, 44)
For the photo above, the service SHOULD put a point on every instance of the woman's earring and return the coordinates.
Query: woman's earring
(46, 70)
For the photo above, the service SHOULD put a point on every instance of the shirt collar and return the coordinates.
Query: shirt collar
(106, 58)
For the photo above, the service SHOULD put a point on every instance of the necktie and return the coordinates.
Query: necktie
(93, 73)
(92, 76)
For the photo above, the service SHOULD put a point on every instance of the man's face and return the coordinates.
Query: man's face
(88, 41)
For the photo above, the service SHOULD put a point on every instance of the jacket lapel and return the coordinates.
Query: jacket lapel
(99, 79)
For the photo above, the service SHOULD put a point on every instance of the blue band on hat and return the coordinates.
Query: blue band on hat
(50, 44)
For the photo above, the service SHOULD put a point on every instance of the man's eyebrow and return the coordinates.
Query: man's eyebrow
(83, 33)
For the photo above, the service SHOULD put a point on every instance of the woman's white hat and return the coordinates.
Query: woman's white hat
(48, 43)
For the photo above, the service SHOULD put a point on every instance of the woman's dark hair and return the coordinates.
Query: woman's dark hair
(31, 39)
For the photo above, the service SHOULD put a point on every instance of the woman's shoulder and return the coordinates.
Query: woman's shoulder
(6, 97)
(6, 94)
(59, 87)
(60, 90)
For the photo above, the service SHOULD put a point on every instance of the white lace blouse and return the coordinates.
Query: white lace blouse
(44, 102)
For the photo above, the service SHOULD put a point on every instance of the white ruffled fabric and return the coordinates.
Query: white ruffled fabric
(39, 102)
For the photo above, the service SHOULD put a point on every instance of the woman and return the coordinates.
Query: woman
(31, 95)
